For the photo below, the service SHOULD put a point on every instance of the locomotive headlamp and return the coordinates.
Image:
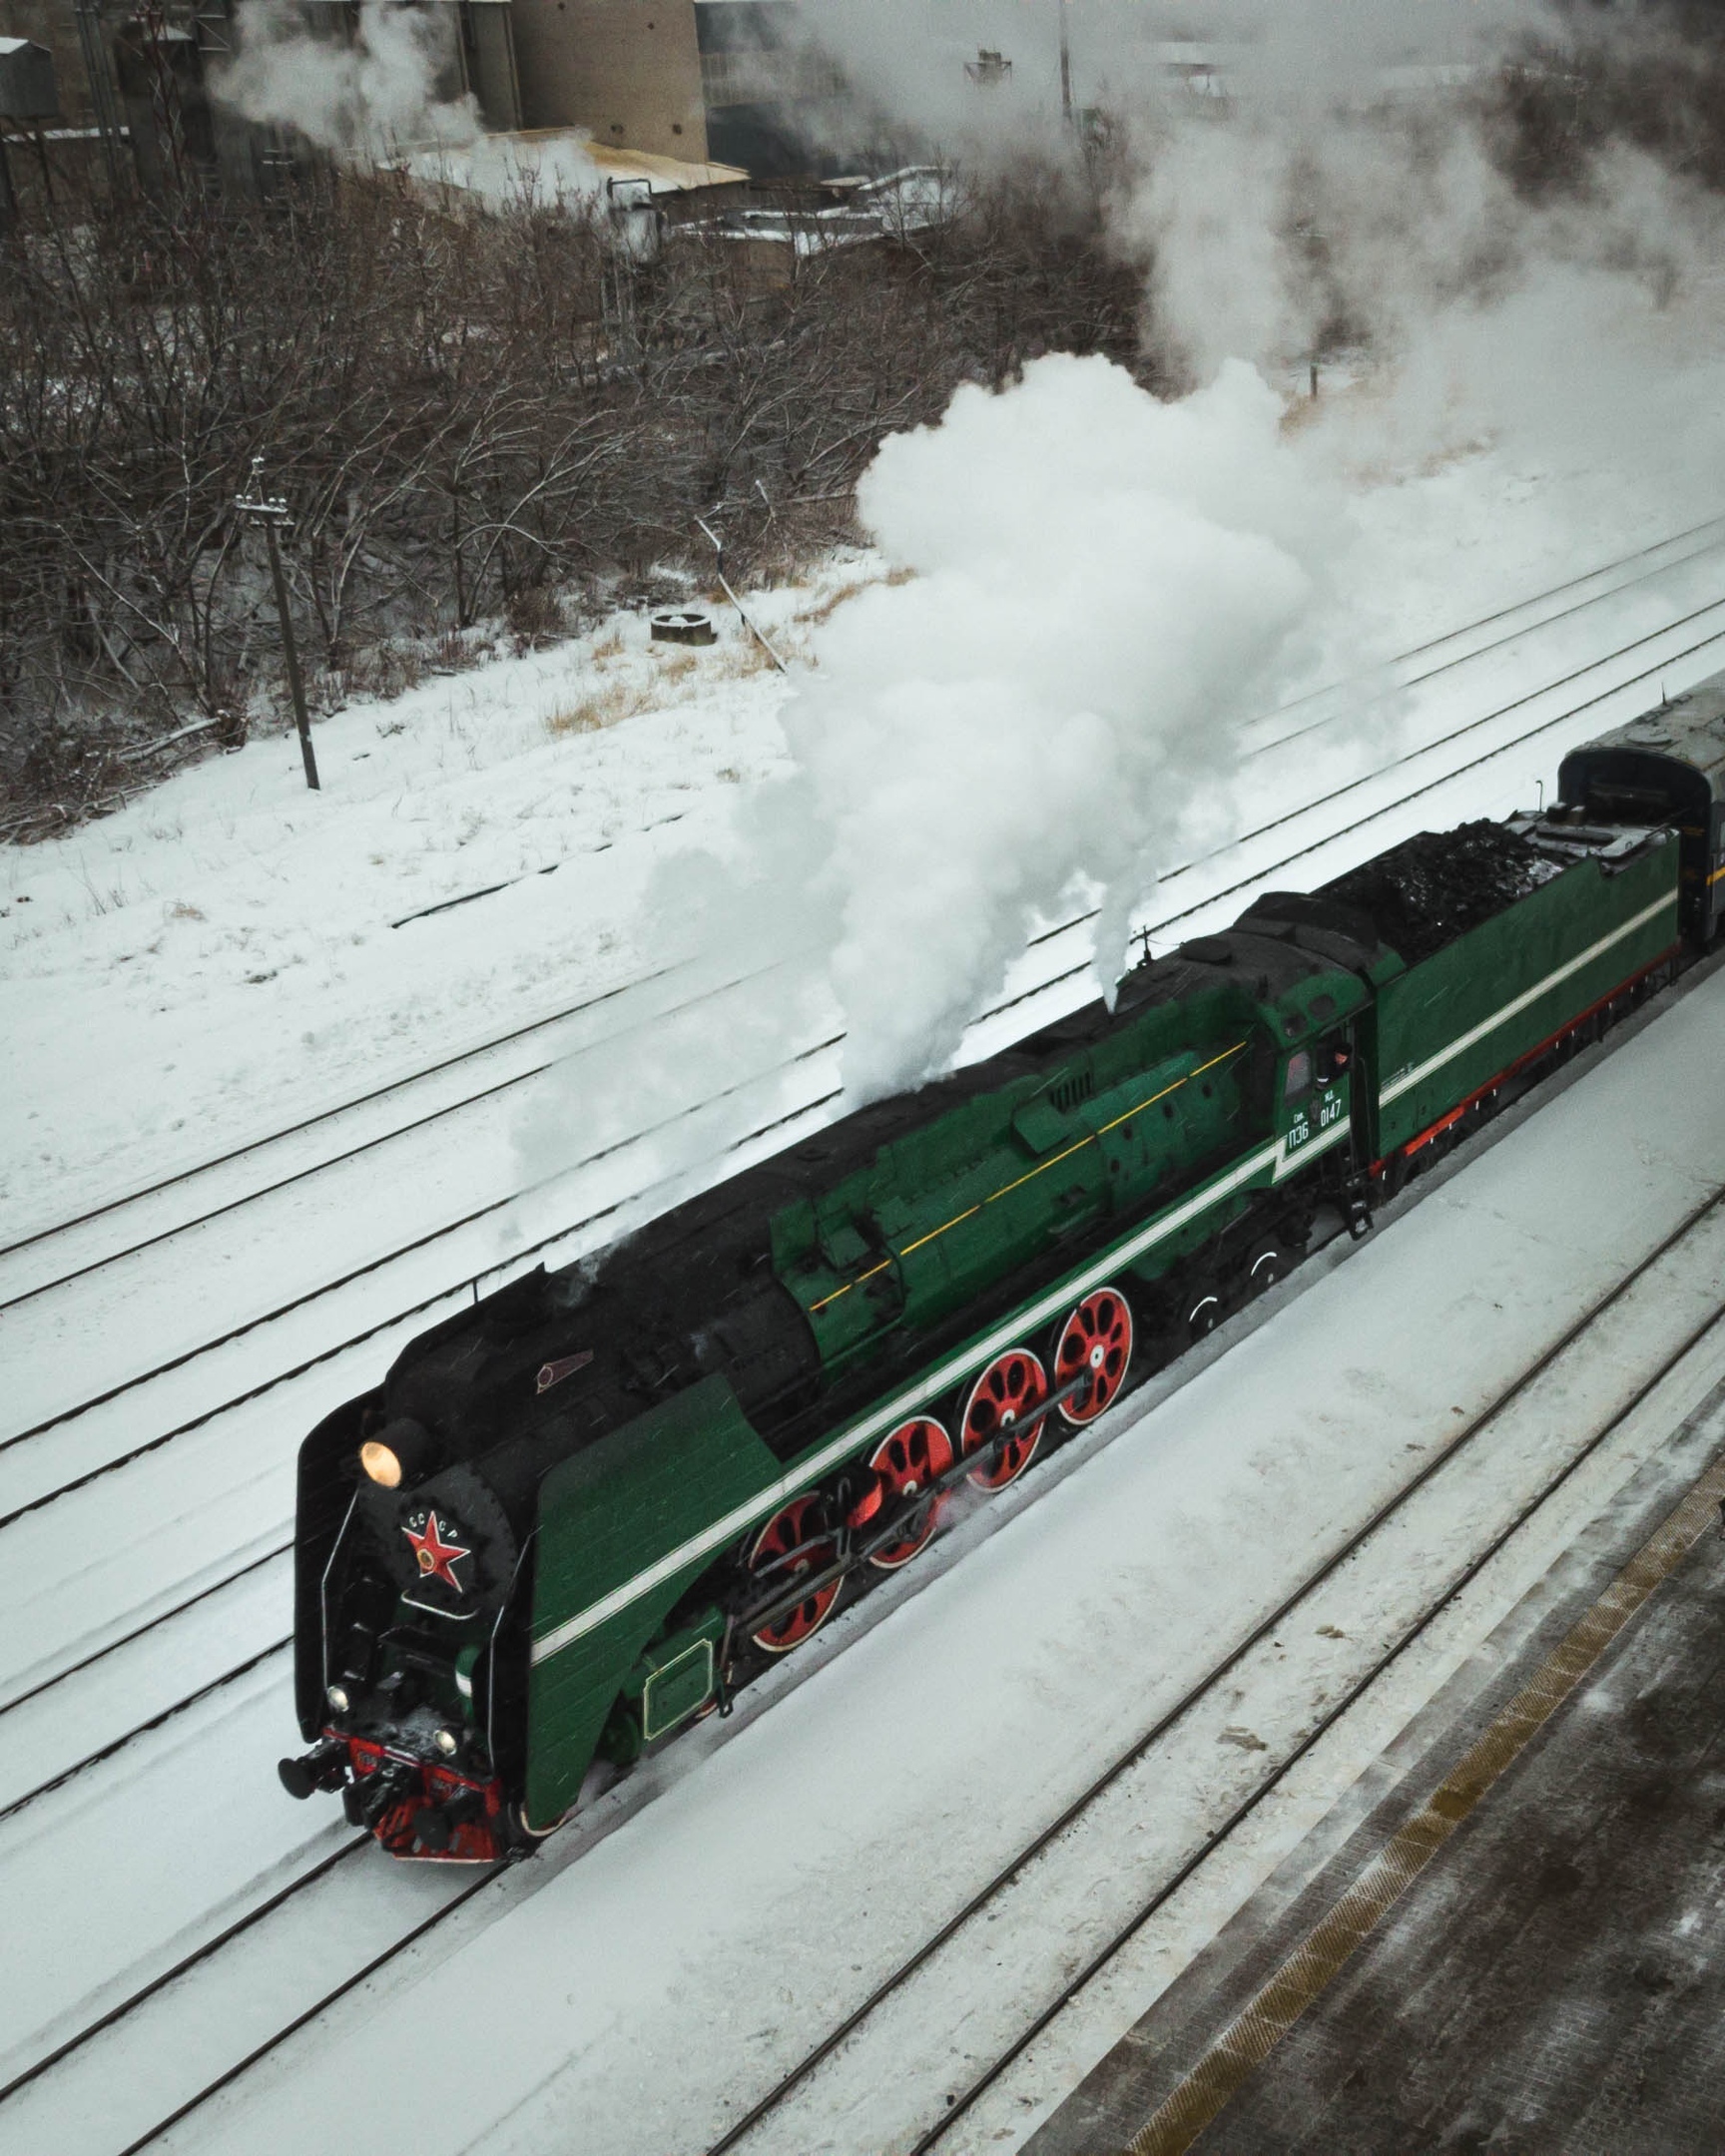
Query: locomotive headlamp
(336, 1694)
(401, 1453)
(447, 1742)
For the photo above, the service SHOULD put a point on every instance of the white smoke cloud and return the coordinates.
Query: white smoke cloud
(1268, 236)
(911, 64)
(1103, 585)
(367, 99)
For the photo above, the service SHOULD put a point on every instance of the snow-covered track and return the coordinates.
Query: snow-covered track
(140, 1220)
(38, 1686)
(155, 1517)
(1705, 645)
(1700, 1237)
(1459, 647)
(64, 1726)
(444, 1262)
(305, 1927)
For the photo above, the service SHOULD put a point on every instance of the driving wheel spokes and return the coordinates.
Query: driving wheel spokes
(906, 1462)
(797, 1527)
(1006, 1398)
(1097, 1339)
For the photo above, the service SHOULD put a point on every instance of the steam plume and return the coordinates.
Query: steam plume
(1102, 585)
(361, 99)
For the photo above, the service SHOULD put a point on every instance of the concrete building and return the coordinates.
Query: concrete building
(629, 71)
(733, 81)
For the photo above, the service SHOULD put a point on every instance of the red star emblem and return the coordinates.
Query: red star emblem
(436, 1558)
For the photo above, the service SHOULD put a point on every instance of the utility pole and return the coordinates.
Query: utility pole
(1065, 66)
(271, 513)
(88, 14)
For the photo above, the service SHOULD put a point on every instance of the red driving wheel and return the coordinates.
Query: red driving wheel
(906, 1462)
(1009, 1394)
(799, 1524)
(1096, 1337)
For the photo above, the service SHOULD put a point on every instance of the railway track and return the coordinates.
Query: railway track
(292, 1923)
(174, 1707)
(142, 1219)
(84, 1449)
(265, 1536)
(988, 1904)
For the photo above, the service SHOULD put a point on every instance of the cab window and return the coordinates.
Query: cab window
(1299, 1079)
(1334, 1057)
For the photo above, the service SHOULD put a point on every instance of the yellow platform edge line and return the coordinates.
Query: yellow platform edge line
(1308, 1971)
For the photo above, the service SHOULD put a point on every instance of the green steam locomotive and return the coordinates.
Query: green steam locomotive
(581, 1515)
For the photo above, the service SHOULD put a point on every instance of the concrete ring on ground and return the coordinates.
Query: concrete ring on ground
(684, 624)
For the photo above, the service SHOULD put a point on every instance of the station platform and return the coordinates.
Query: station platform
(1522, 1948)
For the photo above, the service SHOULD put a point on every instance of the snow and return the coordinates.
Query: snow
(219, 958)
(223, 957)
(653, 1986)
(227, 943)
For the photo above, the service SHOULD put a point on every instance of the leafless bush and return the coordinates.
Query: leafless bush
(1653, 80)
(473, 416)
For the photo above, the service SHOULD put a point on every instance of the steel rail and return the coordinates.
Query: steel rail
(130, 2004)
(100, 1654)
(1428, 1471)
(1242, 1811)
(1068, 973)
(143, 1728)
(1413, 756)
(1084, 1802)
(325, 1115)
(1481, 650)
(555, 1018)
(383, 1324)
(1371, 815)
(231, 2074)
(406, 1250)
(370, 1145)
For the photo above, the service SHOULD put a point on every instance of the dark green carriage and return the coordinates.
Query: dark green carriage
(1541, 933)
(1666, 767)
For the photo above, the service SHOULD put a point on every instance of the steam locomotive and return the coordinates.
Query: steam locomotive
(581, 1515)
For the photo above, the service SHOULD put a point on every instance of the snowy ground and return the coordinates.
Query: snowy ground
(631, 1999)
(224, 956)
(221, 957)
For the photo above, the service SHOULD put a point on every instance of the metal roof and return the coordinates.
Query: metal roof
(1690, 727)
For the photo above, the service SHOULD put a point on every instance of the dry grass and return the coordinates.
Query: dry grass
(738, 660)
(824, 608)
(608, 705)
(603, 707)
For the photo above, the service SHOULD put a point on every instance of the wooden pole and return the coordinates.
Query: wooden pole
(291, 652)
(257, 507)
